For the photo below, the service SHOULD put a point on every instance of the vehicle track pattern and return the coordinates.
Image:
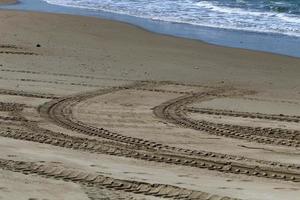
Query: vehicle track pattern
(50, 82)
(174, 111)
(102, 78)
(19, 53)
(272, 100)
(94, 180)
(137, 144)
(13, 118)
(112, 79)
(9, 46)
(28, 94)
(60, 112)
(281, 117)
(97, 193)
(62, 74)
(9, 107)
(95, 146)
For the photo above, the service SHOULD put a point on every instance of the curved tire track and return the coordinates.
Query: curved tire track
(174, 112)
(59, 111)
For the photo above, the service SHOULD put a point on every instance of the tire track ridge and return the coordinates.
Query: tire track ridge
(280, 117)
(77, 176)
(174, 112)
(59, 112)
(28, 94)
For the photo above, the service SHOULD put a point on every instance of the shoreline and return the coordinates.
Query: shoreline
(262, 42)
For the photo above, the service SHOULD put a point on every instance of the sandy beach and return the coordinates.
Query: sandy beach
(8, 1)
(97, 109)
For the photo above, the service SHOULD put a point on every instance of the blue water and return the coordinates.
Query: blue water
(272, 16)
(264, 25)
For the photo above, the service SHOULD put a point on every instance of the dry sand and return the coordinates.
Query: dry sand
(80, 54)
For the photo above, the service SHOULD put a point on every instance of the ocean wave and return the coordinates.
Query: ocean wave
(255, 15)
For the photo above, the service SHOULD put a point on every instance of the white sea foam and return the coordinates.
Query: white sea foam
(214, 13)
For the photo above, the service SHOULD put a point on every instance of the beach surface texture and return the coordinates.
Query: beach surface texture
(7, 1)
(96, 109)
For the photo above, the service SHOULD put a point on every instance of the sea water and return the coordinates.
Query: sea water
(263, 25)
(270, 16)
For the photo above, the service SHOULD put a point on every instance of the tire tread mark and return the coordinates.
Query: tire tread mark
(62, 173)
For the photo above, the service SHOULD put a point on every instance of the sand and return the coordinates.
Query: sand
(45, 57)
(8, 1)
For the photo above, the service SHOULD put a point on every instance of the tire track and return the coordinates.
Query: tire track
(28, 94)
(101, 193)
(174, 111)
(51, 82)
(281, 117)
(13, 118)
(113, 79)
(271, 100)
(63, 75)
(60, 111)
(94, 180)
(95, 146)
(9, 46)
(19, 53)
(9, 107)
(12, 108)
